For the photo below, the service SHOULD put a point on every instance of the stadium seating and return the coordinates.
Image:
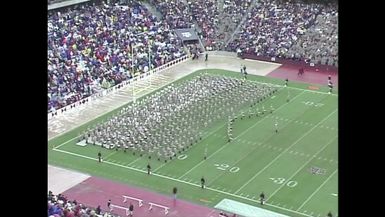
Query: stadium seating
(91, 47)
(290, 30)
(60, 206)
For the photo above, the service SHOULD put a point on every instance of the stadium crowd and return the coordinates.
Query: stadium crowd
(236, 9)
(91, 47)
(298, 31)
(319, 44)
(94, 46)
(60, 206)
(205, 13)
(175, 13)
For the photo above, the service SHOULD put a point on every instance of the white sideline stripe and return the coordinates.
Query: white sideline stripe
(284, 151)
(317, 190)
(224, 146)
(181, 181)
(296, 172)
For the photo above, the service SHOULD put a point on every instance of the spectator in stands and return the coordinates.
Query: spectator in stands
(65, 208)
(98, 210)
(109, 203)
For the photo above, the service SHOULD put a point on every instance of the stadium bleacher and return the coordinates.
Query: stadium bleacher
(296, 31)
(91, 46)
(60, 206)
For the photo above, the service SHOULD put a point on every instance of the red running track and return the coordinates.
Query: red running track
(311, 75)
(97, 191)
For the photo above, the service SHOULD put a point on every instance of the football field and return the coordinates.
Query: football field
(296, 167)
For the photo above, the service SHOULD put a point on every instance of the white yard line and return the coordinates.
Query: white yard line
(110, 154)
(181, 181)
(219, 127)
(317, 190)
(65, 143)
(134, 161)
(296, 172)
(224, 146)
(268, 165)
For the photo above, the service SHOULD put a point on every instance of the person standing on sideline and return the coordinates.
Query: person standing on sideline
(330, 85)
(131, 209)
(174, 191)
(276, 126)
(207, 56)
(286, 81)
(262, 198)
(203, 182)
(100, 157)
(109, 203)
(148, 169)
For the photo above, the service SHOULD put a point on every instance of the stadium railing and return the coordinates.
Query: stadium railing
(113, 89)
(65, 3)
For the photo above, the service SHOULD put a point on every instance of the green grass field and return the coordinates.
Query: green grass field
(258, 159)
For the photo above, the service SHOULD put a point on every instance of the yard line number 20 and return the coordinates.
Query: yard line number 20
(226, 167)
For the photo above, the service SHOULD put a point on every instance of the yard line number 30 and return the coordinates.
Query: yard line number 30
(281, 181)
